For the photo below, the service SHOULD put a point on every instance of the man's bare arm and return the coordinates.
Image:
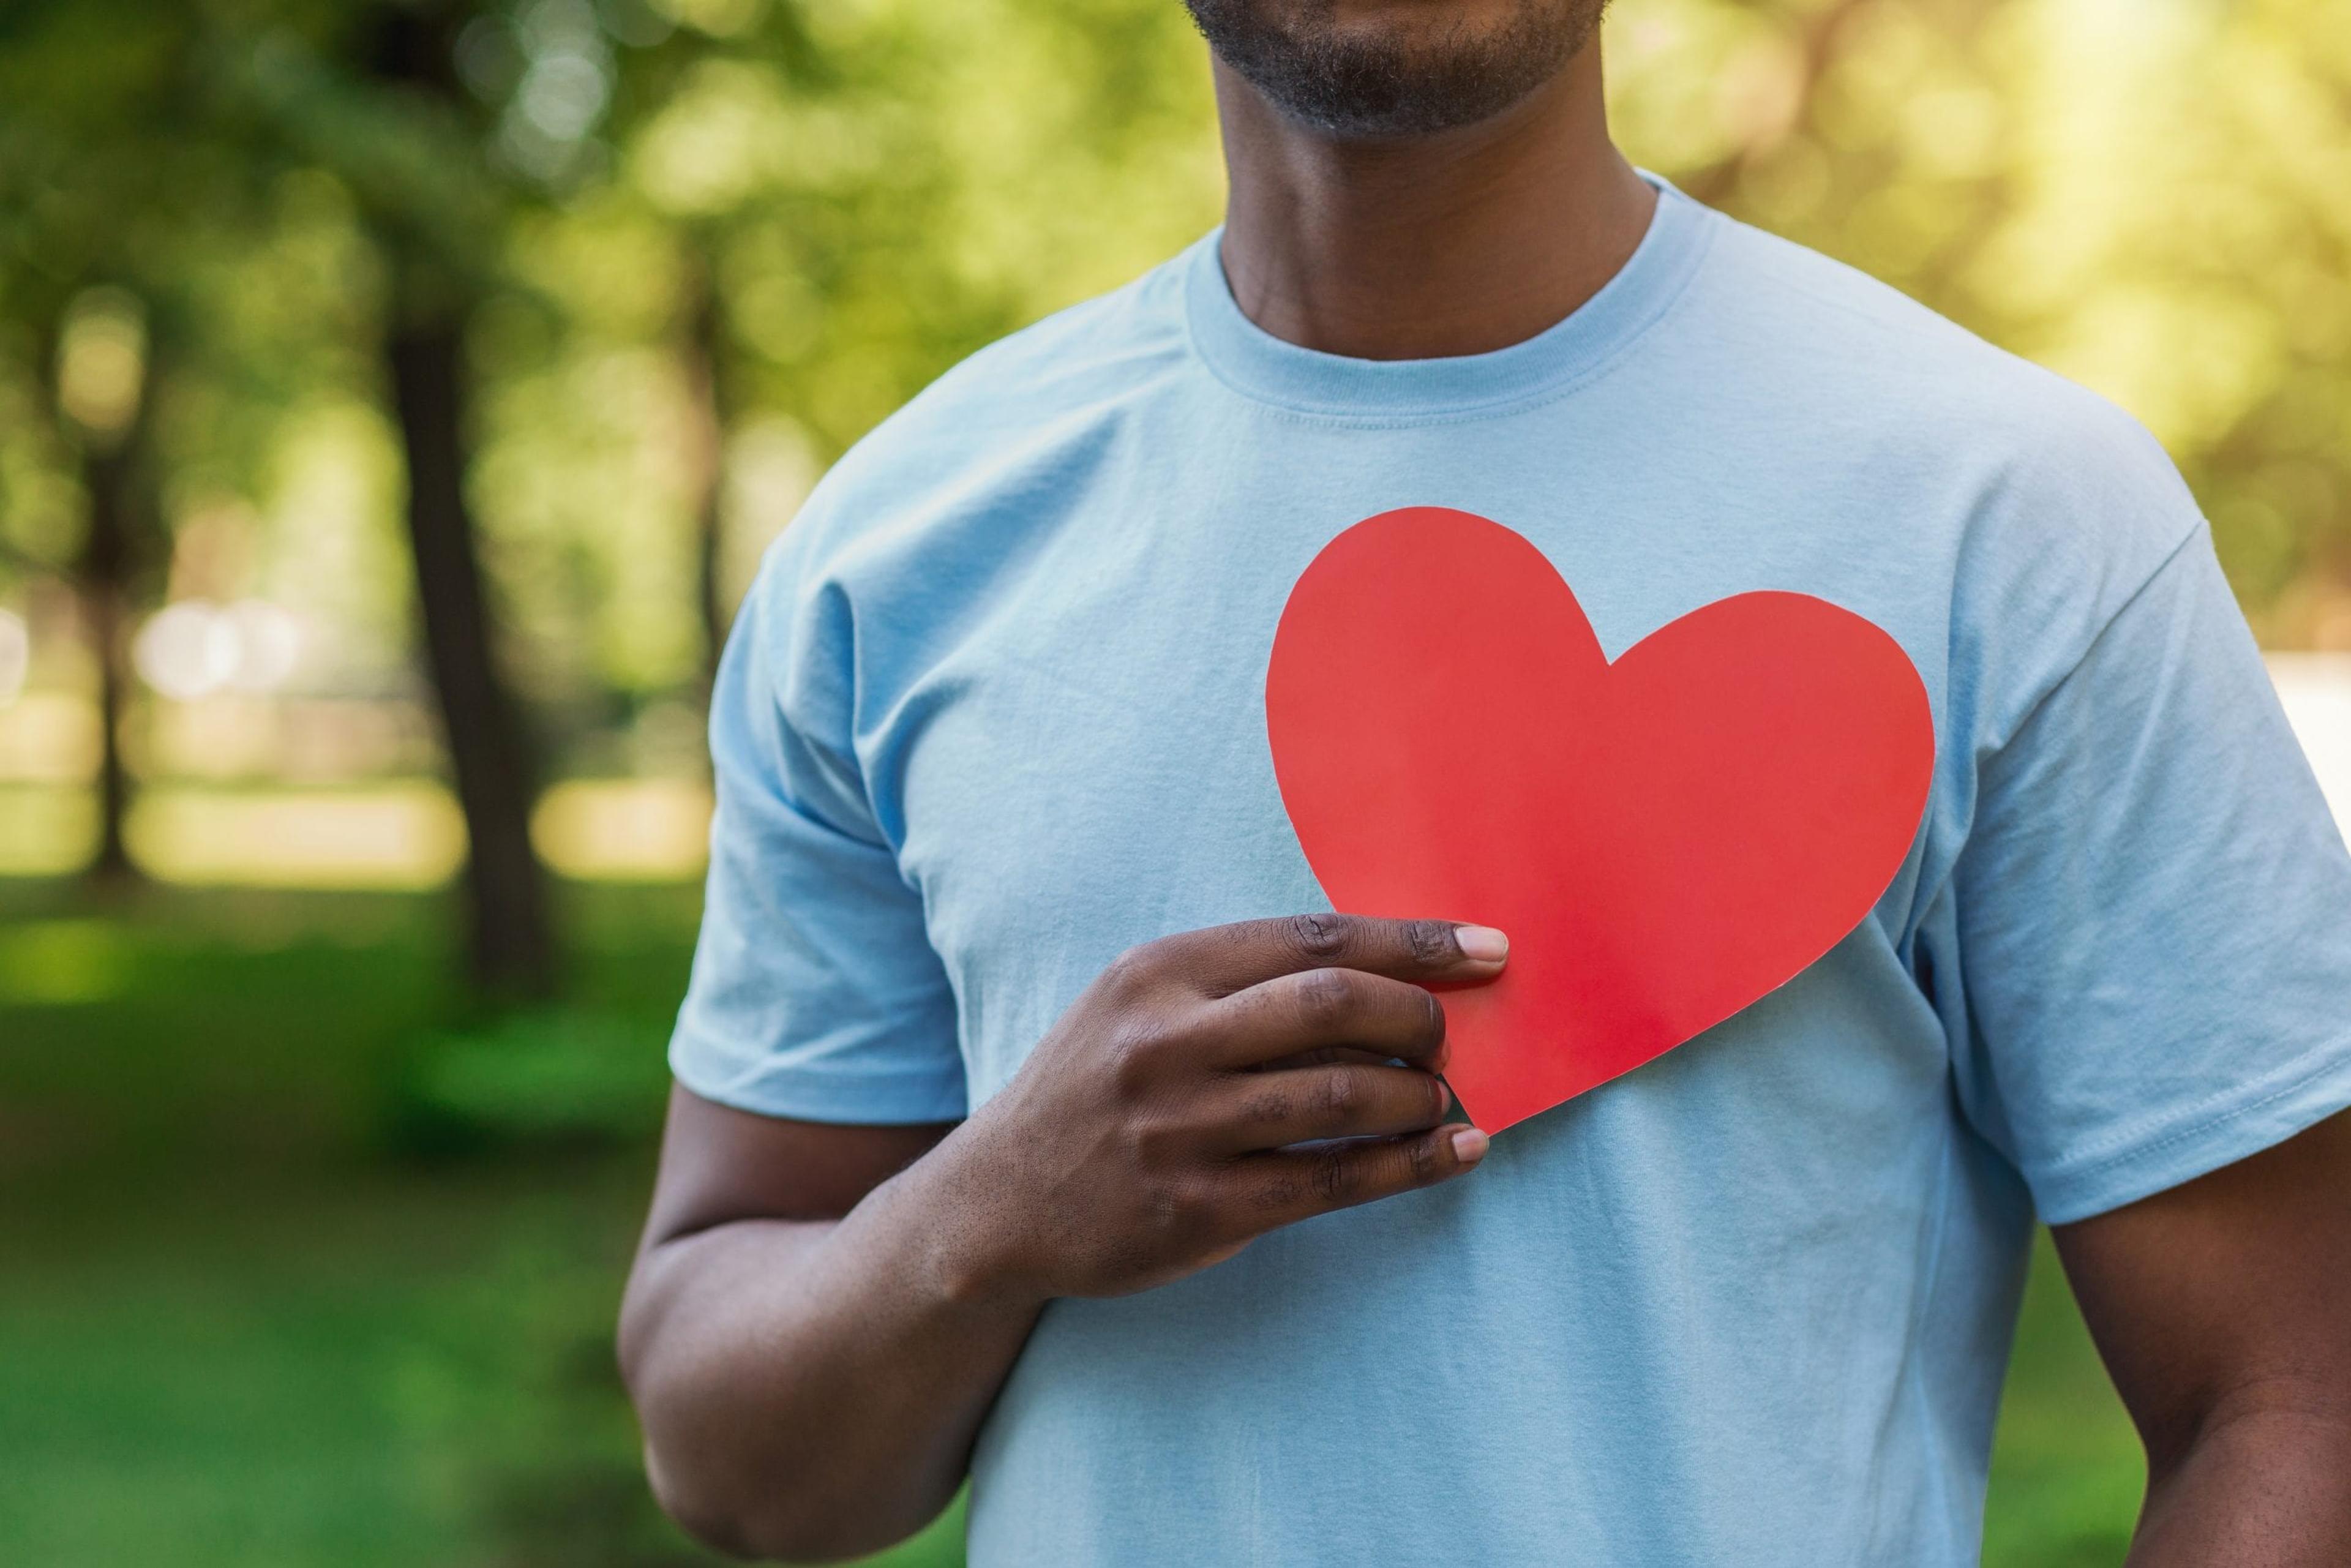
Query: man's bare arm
(749, 1286)
(2223, 1310)
(820, 1317)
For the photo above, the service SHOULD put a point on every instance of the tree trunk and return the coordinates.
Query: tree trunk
(510, 941)
(110, 476)
(118, 481)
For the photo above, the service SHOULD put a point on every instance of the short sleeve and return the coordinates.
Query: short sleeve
(2153, 914)
(815, 994)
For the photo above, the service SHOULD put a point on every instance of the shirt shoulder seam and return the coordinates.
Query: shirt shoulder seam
(2113, 618)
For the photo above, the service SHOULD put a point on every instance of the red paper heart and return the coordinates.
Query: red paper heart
(1665, 838)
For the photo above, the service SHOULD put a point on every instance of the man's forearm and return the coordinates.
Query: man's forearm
(813, 1389)
(2263, 1486)
(810, 1390)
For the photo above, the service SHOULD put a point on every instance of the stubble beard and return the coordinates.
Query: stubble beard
(1359, 84)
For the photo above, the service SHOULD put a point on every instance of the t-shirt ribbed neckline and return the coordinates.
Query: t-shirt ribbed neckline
(1259, 365)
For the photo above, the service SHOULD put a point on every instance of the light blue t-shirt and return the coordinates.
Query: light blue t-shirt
(995, 712)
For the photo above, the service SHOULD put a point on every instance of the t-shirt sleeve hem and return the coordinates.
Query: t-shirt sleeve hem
(862, 1097)
(2217, 1134)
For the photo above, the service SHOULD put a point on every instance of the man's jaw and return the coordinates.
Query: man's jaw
(1377, 69)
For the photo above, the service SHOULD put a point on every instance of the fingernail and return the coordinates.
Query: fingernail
(1482, 942)
(1469, 1145)
(1444, 1094)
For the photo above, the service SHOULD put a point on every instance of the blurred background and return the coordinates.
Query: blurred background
(394, 400)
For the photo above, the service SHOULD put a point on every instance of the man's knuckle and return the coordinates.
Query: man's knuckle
(1321, 937)
(1175, 1203)
(1153, 1142)
(1162, 1208)
(1333, 1173)
(1266, 1108)
(1130, 973)
(1431, 941)
(1342, 1093)
(1199, 1207)
(1430, 1027)
(1276, 1194)
(1136, 1048)
(1325, 998)
(1420, 1160)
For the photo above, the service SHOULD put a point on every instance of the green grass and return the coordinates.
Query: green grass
(260, 1308)
(2067, 1470)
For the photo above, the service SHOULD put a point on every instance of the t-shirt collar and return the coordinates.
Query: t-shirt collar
(1259, 365)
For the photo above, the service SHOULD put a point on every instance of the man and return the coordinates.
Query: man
(1038, 1122)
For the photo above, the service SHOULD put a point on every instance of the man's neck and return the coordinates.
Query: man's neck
(1427, 247)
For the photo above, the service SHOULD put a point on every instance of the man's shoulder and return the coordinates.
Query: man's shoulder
(1893, 396)
(2039, 505)
(1100, 346)
(1844, 345)
(1018, 403)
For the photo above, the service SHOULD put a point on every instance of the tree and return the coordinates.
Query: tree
(371, 94)
(103, 367)
(450, 121)
(414, 52)
(99, 189)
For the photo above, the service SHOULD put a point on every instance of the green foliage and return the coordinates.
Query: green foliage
(856, 198)
(534, 1079)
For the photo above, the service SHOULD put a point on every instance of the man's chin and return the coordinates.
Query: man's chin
(1386, 68)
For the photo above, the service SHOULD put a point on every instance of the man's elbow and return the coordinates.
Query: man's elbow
(728, 1500)
(2299, 1420)
(783, 1523)
(721, 1530)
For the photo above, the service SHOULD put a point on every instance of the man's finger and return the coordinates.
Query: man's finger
(1317, 1009)
(1269, 1110)
(1285, 1186)
(1322, 1054)
(1227, 958)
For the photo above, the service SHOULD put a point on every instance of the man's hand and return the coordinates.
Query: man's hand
(820, 1316)
(1155, 1131)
